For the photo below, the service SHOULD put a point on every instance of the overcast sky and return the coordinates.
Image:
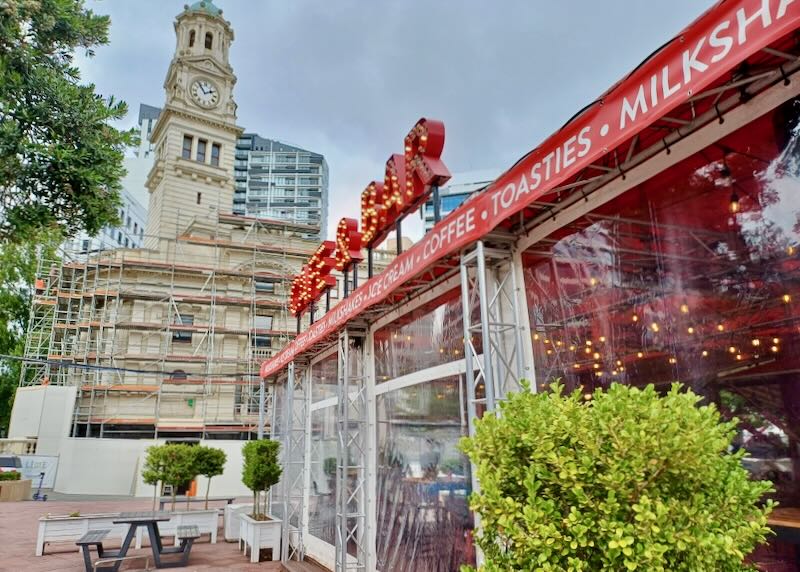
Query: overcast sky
(349, 78)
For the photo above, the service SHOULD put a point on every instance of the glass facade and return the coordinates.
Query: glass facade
(692, 277)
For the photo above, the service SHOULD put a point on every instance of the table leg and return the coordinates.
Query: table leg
(155, 542)
(123, 551)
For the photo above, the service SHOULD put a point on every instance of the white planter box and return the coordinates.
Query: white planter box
(207, 522)
(260, 534)
(71, 528)
(232, 526)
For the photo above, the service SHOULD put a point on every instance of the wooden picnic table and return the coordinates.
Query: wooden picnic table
(150, 521)
(183, 498)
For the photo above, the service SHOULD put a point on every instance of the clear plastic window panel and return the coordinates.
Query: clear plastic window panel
(424, 523)
(694, 277)
(429, 336)
(322, 497)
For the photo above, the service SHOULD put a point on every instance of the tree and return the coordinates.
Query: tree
(260, 471)
(618, 480)
(17, 272)
(60, 159)
(172, 464)
(154, 469)
(209, 462)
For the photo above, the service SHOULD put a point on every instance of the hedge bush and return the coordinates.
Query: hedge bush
(10, 476)
(620, 480)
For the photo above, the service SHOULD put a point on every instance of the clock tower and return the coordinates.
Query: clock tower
(195, 136)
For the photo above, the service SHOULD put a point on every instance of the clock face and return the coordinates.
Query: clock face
(204, 93)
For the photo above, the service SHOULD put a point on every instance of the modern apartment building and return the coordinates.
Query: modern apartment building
(280, 181)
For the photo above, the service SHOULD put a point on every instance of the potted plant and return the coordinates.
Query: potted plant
(171, 464)
(209, 462)
(261, 470)
(154, 470)
(622, 479)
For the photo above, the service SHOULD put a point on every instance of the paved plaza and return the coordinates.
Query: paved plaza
(19, 525)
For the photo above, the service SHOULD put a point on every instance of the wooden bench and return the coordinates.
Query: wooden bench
(186, 535)
(162, 501)
(92, 538)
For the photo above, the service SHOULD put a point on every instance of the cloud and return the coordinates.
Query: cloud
(348, 78)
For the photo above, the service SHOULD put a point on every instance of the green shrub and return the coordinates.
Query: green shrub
(260, 471)
(10, 476)
(619, 480)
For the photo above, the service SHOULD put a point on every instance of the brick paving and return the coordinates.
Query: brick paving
(19, 522)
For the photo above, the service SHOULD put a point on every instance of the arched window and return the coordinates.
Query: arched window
(191, 38)
(209, 40)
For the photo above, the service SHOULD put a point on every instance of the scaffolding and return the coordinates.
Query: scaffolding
(167, 342)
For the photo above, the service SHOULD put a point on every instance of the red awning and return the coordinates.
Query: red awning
(706, 54)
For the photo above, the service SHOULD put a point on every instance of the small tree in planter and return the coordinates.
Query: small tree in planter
(154, 469)
(621, 480)
(209, 462)
(172, 464)
(260, 471)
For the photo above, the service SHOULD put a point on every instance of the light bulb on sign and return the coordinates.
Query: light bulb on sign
(734, 204)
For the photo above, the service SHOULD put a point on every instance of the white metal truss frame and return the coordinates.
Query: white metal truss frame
(489, 281)
(296, 439)
(352, 429)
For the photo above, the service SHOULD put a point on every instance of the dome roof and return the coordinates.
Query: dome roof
(206, 6)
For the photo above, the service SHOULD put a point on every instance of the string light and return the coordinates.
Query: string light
(559, 343)
(546, 341)
(690, 329)
(776, 340)
(596, 355)
(622, 369)
(588, 350)
(654, 326)
(602, 339)
(720, 328)
(787, 298)
(738, 357)
(705, 353)
(684, 308)
(672, 360)
(635, 318)
(599, 374)
(774, 349)
(619, 362)
(588, 342)
(734, 206)
(572, 348)
(576, 366)
(639, 355)
(536, 337)
(593, 281)
(732, 350)
(597, 366)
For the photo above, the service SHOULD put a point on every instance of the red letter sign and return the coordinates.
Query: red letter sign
(348, 244)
